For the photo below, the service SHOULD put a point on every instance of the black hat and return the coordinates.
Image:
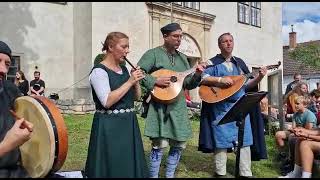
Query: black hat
(4, 48)
(170, 28)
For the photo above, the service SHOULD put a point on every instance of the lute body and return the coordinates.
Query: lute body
(211, 94)
(169, 94)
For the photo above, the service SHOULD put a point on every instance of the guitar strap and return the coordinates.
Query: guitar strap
(185, 61)
(237, 65)
(170, 107)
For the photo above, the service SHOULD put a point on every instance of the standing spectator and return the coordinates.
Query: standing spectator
(290, 86)
(37, 85)
(22, 83)
(189, 102)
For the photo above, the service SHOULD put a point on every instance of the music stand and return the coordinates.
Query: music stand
(238, 112)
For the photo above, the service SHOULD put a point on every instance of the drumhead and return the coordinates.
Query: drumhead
(38, 154)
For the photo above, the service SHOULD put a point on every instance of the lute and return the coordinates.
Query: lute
(211, 94)
(167, 95)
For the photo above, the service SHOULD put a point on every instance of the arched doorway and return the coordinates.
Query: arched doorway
(190, 48)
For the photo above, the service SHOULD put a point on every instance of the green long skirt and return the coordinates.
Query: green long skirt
(115, 147)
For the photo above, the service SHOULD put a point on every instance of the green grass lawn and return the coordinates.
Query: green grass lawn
(193, 164)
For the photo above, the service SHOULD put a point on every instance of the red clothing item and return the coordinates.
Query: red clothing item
(186, 94)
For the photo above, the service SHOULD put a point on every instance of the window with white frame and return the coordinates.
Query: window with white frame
(249, 13)
(178, 3)
(191, 5)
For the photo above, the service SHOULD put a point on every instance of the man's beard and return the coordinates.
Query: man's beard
(2, 75)
(1, 86)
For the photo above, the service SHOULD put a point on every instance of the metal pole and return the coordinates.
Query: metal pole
(240, 125)
(280, 80)
(171, 12)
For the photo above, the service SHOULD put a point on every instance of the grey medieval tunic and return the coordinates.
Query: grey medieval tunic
(167, 121)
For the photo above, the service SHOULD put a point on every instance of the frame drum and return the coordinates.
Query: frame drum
(47, 148)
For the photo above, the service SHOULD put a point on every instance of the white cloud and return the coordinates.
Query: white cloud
(294, 11)
(306, 31)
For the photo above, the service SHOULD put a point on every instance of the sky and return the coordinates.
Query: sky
(305, 18)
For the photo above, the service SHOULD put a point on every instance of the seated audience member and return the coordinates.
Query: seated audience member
(22, 83)
(303, 117)
(315, 99)
(318, 114)
(306, 148)
(301, 89)
(37, 85)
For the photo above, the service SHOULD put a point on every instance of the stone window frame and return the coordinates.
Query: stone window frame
(14, 67)
(249, 13)
(189, 5)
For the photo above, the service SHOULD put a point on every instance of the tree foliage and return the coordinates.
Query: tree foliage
(308, 54)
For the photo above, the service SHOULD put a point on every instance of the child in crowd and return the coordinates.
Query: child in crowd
(303, 117)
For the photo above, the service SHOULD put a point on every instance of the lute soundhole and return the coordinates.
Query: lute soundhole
(173, 79)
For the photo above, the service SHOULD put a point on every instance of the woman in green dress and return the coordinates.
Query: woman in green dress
(115, 147)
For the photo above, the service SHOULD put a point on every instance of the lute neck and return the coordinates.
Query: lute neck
(255, 71)
(189, 71)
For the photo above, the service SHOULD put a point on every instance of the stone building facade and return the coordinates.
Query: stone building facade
(62, 39)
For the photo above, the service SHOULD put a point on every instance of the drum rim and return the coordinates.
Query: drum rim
(55, 133)
(62, 135)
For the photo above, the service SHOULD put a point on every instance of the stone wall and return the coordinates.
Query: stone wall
(78, 106)
(84, 106)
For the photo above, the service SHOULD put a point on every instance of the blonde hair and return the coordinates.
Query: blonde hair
(304, 99)
(112, 38)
